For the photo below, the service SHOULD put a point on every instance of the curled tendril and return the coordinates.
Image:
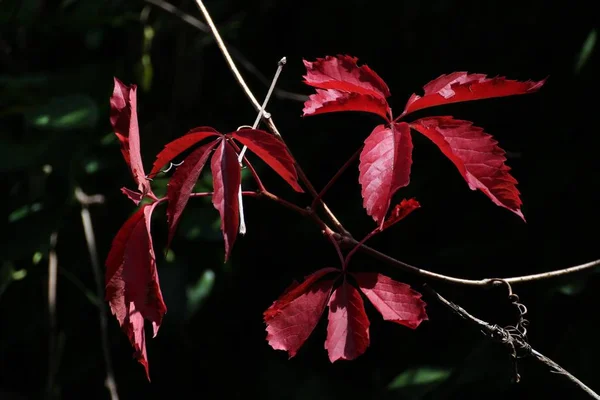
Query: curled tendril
(171, 165)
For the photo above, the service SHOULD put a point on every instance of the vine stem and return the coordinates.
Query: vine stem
(460, 281)
(267, 118)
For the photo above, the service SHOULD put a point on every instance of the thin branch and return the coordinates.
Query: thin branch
(244, 62)
(467, 282)
(331, 236)
(335, 178)
(53, 334)
(284, 203)
(90, 239)
(261, 112)
(515, 343)
(267, 118)
(358, 246)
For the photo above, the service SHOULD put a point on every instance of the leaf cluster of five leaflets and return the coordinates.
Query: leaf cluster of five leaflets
(132, 284)
(386, 158)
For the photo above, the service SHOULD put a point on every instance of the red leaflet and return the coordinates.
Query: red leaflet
(123, 117)
(477, 157)
(295, 291)
(384, 167)
(331, 100)
(396, 301)
(293, 322)
(342, 73)
(226, 182)
(179, 145)
(182, 183)
(293, 316)
(348, 87)
(400, 212)
(272, 151)
(132, 195)
(132, 287)
(348, 328)
(462, 86)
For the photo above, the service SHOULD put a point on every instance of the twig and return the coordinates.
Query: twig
(514, 342)
(201, 26)
(90, 239)
(53, 334)
(268, 119)
(261, 112)
(468, 282)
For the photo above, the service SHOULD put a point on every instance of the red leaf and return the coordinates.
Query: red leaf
(123, 117)
(179, 145)
(182, 183)
(462, 86)
(272, 151)
(400, 212)
(132, 195)
(226, 182)
(342, 73)
(477, 157)
(348, 328)
(132, 286)
(396, 301)
(384, 167)
(292, 323)
(294, 291)
(331, 100)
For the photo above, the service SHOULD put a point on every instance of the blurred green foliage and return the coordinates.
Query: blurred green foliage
(57, 62)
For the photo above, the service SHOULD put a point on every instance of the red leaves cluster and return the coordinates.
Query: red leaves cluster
(292, 318)
(132, 285)
(386, 158)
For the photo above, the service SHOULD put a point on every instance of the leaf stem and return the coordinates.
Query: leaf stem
(358, 246)
(335, 178)
(261, 186)
(283, 202)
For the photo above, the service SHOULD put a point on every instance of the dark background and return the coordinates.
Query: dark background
(57, 61)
